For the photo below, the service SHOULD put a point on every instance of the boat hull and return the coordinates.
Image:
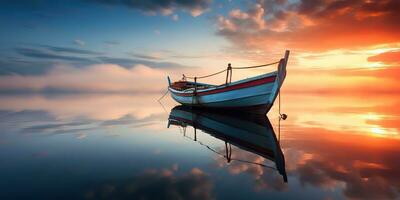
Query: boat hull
(254, 95)
(251, 96)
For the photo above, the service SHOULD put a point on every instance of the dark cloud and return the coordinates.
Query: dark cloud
(44, 123)
(57, 128)
(40, 54)
(146, 56)
(313, 25)
(165, 7)
(71, 50)
(11, 65)
(156, 184)
(243, 161)
(25, 116)
(128, 62)
(367, 166)
(112, 42)
(165, 54)
(40, 59)
(45, 127)
(363, 183)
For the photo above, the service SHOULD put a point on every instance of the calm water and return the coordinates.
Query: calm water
(118, 146)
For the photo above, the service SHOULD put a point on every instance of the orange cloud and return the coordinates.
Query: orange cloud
(366, 165)
(390, 57)
(315, 25)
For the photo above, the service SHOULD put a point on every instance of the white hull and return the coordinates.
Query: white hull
(257, 92)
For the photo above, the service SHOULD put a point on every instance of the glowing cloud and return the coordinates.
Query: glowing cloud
(95, 78)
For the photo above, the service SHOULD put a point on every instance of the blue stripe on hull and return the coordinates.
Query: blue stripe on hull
(237, 98)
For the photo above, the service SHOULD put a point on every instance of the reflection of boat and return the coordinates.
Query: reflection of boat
(250, 133)
(255, 94)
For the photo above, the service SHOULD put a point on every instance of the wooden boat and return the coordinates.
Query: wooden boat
(251, 133)
(256, 94)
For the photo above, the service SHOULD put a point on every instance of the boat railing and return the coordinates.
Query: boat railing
(229, 71)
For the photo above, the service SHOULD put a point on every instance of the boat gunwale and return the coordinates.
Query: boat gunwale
(190, 91)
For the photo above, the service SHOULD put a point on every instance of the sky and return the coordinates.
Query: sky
(343, 74)
(125, 46)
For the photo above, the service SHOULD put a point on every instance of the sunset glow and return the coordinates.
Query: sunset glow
(87, 110)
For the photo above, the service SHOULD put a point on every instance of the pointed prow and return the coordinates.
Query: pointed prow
(287, 52)
(169, 81)
(282, 67)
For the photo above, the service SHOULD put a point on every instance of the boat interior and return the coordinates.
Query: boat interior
(184, 85)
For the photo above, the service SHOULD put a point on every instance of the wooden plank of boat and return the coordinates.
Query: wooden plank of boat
(254, 134)
(256, 94)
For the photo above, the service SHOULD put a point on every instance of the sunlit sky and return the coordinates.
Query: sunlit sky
(84, 67)
(117, 45)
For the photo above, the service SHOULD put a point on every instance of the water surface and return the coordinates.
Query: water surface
(119, 146)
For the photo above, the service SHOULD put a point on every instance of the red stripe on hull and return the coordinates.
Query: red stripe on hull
(233, 87)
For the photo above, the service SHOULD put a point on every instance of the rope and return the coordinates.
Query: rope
(279, 96)
(163, 95)
(206, 75)
(281, 115)
(219, 72)
(231, 159)
(256, 66)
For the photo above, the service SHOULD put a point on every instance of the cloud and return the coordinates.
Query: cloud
(368, 169)
(44, 57)
(175, 17)
(152, 56)
(40, 59)
(166, 54)
(264, 178)
(168, 184)
(17, 120)
(361, 81)
(132, 120)
(95, 78)
(38, 121)
(12, 65)
(251, 20)
(40, 54)
(390, 57)
(312, 25)
(381, 73)
(45, 127)
(22, 111)
(70, 50)
(57, 128)
(79, 42)
(128, 62)
(112, 42)
(164, 7)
